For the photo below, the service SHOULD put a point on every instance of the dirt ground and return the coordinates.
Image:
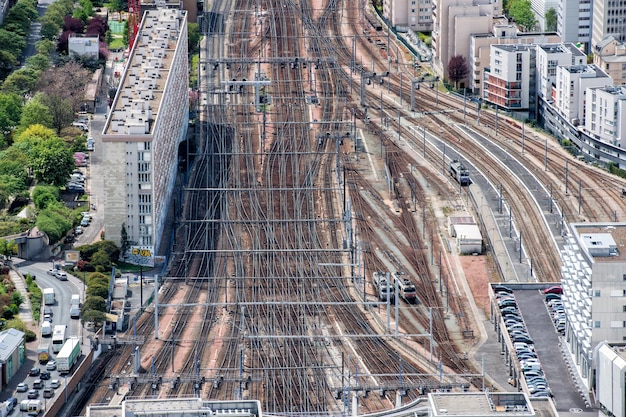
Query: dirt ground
(477, 273)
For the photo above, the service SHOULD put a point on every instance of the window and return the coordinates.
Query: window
(596, 293)
(596, 324)
(624, 309)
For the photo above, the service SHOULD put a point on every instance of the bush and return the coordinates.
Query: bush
(18, 324)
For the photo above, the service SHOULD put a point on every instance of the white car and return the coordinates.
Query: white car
(22, 387)
(51, 366)
(55, 383)
(78, 230)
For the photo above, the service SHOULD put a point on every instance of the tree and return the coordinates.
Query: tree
(54, 221)
(20, 82)
(10, 112)
(35, 113)
(98, 290)
(96, 278)
(49, 29)
(64, 90)
(125, 244)
(38, 63)
(44, 195)
(193, 36)
(12, 43)
(52, 162)
(94, 303)
(551, 20)
(8, 62)
(457, 69)
(521, 12)
(93, 316)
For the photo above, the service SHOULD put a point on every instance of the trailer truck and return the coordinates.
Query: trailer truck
(48, 296)
(43, 352)
(68, 355)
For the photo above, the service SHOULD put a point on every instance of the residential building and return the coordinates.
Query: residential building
(84, 46)
(540, 8)
(574, 22)
(415, 15)
(609, 18)
(12, 354)
(610, 55)
(147, 121)
(605, 114)
(503, 33)
(571, 85)
(454, 21)
(549, 57)
(510, 78)
(594, 291)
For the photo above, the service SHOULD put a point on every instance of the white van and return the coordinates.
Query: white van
(46, 329)
(75, 302)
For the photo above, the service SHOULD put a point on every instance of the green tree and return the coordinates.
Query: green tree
(35, 113)
(98, 290)
(50, 29)
(54, 221)
(551, 20)
(93, 316)
(45, 47)
(8, 62)
(94, 303)
(193, 37)
(44, 196)
(97, 278)
(20, 82)
(12, 43)
(521, 12)
(38, 63)
(10, 112)
(51, 162)
(101, 258)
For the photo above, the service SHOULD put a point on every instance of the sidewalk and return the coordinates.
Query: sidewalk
(26, 310)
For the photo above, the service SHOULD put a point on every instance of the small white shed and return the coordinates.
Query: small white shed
(469, 239)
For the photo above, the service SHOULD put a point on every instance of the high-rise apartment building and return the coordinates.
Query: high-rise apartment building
(416, 15)
(574, 22)
(147, 121)
(609, 18)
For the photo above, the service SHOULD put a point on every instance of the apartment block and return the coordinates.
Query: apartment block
(415, 15)
(574, 22)
(504, 33)
(605, 114)
(540, 8)
(510, 77)
(571, 85)
(454, 21)
(609, 18)
(594, 291)
(549, 57)
(147, 121)
(610, 371)
(610, 55)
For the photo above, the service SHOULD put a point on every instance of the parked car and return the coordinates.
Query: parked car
(555, 289)
(84, 222)
(51, 366)
(502, 288)
(34, 371)
(507, 303)
(22, 387)
(550, 297)
(520, 338)
(78, 230)
(33, 394)
(55, 383)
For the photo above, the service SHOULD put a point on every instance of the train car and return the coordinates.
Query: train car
(459, 172)
(384, 287)
(406, 289)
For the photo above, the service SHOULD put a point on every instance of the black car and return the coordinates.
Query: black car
(45, 375)
(34, 371)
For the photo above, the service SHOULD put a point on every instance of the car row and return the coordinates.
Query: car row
(58, 274)
(556, 309)
(522, 343)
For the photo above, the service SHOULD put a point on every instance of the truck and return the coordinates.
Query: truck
(75, 301)
(68, 355)
(46, 329)
(43, 352)
(48, 296)
(31, 407)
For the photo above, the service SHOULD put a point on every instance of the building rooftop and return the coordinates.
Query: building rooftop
(586, 69)
(9, 340)
(173, 407)
(515, 47)
(616, 90)
(484, 404)
(137, 102)
(604, 242)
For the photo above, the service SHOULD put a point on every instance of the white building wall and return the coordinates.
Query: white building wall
(611, 369)
(549, 57)
(84, 46)
(603, 114)
(571, 85)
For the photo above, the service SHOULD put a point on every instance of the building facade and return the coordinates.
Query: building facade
(510, 77)
(609, 18)
(12, 354)
(540, 8)
(549, 57)
(415, 15)
(574, 22)
(610, 389)
(605, 114)
(610, 56)
(572, 83)
(147, 121)
(85, 46)
(454, 22)
(594, 291)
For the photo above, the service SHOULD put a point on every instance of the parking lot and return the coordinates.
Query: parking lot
(552, 359)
